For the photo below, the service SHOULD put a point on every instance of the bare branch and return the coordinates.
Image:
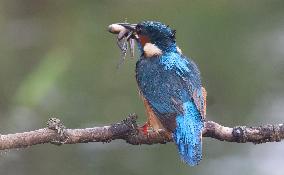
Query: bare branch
(128, 130)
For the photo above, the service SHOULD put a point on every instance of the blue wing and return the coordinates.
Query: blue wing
(168, 83)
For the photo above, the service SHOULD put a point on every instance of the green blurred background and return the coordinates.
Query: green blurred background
(57, 59)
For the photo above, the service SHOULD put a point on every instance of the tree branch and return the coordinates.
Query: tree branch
(127, 130)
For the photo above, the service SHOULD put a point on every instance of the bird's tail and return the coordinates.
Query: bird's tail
(188, 133)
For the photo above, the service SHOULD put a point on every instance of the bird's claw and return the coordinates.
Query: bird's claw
(147, 129)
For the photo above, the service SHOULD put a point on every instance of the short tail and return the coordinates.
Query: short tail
(188, 133)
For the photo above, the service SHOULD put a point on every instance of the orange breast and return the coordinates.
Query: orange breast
(152, 118)
(143, 40)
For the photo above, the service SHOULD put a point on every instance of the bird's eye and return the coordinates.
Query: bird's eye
(138, 29)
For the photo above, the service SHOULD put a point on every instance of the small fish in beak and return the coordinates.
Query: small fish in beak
(125, 38)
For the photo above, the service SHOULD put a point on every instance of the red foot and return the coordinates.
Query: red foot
(144, 128)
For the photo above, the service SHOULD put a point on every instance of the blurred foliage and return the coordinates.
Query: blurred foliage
(57, 59)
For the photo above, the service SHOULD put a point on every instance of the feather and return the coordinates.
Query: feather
(171, 85)
(187, 134)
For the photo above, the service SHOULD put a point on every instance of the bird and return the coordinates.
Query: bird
(171, 88)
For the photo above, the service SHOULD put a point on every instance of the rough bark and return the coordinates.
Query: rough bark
(127, 130)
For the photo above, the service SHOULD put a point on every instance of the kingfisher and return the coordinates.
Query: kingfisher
(170, 86)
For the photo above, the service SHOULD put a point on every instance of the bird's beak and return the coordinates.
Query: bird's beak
(131, 30)
(124, 30)
(130, 27)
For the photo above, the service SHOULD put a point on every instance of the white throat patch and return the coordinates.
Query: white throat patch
(151, 50)
(179, 50)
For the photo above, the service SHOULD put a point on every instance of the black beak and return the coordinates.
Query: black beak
(130, 27)
(129, 33)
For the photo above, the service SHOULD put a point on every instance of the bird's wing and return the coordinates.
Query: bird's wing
(169, 83)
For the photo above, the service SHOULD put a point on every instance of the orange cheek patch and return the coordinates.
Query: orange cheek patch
(143, 40)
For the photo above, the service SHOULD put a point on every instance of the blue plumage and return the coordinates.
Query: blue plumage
(187, 134)
(171, 85)
(168, 86)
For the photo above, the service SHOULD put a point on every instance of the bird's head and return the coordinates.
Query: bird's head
(154, 36)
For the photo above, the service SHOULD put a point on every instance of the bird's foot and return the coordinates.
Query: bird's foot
(146, 128)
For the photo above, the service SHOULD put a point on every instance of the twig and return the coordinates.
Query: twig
(128, 130)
